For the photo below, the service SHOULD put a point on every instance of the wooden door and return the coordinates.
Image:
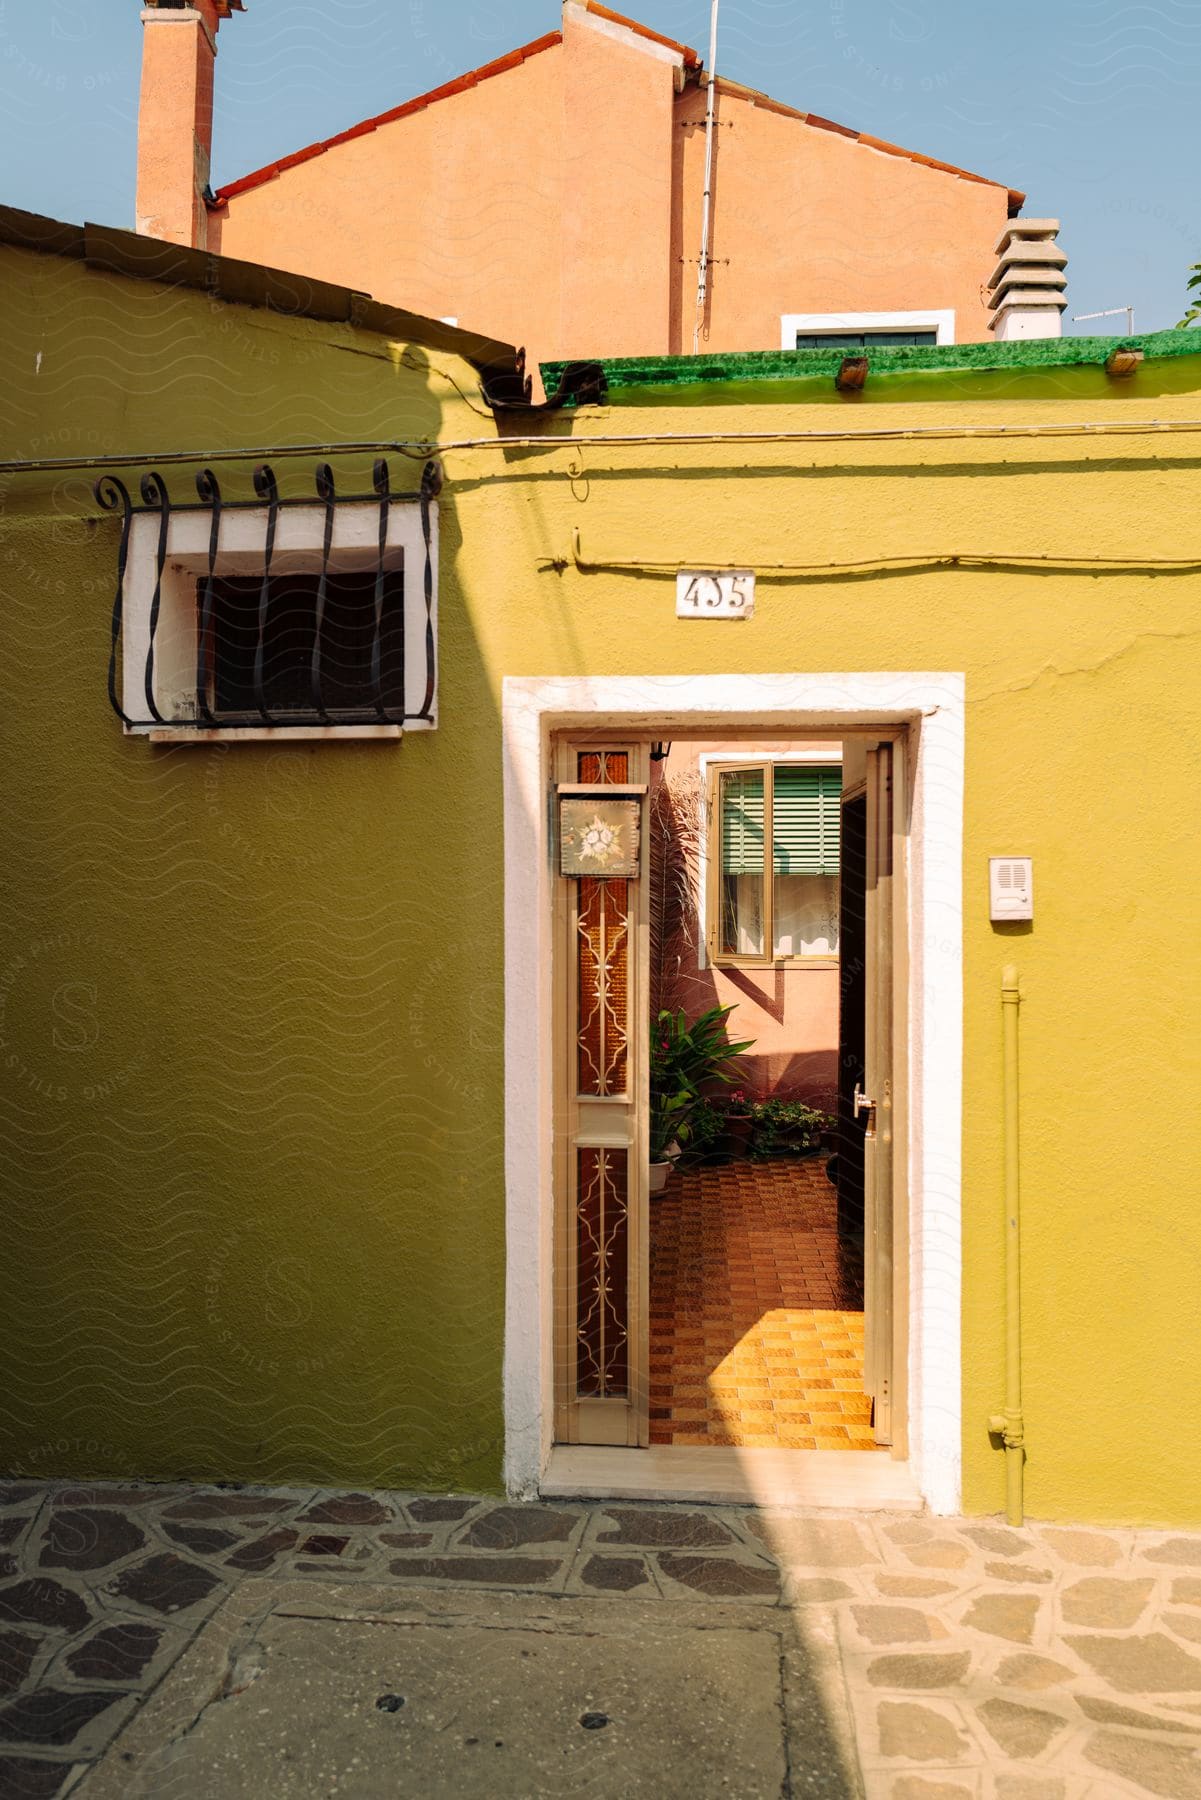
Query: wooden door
(852, 1015)
(875, 1100)
(601, 1167)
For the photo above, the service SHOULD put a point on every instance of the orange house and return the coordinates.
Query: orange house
(555, 197)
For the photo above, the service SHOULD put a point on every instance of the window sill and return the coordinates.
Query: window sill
(774, 962)
(265, 734)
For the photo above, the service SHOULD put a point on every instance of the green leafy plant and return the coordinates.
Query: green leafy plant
(669, 1121)
(706, 1130)
(786, 1127)
(1194, 311)
(685, 1059)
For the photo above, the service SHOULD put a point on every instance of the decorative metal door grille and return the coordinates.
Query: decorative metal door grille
(602, 1211)
(603, 956)
(602, 1267)
(325, 649)
(601, 1154)
(602, 931)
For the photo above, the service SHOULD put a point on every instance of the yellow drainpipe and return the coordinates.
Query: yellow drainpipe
(1010, 1426)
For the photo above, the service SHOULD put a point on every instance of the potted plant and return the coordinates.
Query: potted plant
(669, 1114)
(684, 1060)
(739, 1123)
(706, 1141)
(782, 1127)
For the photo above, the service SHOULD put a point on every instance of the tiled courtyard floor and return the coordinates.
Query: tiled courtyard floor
(939, 1659)
(756, 1311)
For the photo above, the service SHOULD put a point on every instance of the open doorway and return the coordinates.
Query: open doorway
(757, 929)
(700, 906)
(918, 1123)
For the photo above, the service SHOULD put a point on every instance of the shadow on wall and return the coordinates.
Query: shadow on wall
(347, 1077)
(808, 1075)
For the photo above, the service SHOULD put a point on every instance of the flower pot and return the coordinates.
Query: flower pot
(737, 1136)
(658, 1176)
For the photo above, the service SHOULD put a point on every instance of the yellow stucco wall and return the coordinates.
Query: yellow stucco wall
(272, 1247)
(1083, 691)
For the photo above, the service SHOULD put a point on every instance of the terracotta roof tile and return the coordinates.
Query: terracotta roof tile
(1016, 197)
(779, 106)
(691, 59)
(516, 57)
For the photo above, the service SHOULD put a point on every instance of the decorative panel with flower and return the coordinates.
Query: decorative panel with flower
(599, 838)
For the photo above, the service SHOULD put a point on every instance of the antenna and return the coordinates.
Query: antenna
(1110, 313)
(702, 279)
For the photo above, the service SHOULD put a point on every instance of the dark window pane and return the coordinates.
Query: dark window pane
(288, 638)
(862, 340)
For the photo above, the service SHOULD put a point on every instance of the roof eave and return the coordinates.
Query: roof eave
(242, 283)
(691, 57)
(460, 85)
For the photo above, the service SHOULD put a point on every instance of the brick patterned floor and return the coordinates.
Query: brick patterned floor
(756, 1311)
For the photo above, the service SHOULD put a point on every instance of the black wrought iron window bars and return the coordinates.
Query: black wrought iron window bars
(380, 631)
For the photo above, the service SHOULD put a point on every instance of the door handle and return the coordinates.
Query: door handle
(863, 1104)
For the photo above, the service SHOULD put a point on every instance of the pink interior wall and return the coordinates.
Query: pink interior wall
(789, 1010)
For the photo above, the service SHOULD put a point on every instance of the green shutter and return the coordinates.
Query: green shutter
(741, 810)
(806, 817)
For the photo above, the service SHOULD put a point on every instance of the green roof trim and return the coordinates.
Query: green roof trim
(637, 378)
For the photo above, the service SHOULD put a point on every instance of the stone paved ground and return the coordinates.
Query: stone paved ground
(1052, 1663)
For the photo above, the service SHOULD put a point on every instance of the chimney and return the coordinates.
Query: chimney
(175, 116)
(1027, 294)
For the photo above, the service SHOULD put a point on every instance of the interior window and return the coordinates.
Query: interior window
(743, 862)
(796, 808)
(806, 807)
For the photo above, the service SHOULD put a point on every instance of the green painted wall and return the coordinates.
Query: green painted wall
(272, 1246)
(250, 1077)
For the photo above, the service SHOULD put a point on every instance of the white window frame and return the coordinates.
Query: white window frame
(299, 535)
(941, 321)
(823, 759)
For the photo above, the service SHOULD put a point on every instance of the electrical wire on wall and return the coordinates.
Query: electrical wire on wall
(426, 447)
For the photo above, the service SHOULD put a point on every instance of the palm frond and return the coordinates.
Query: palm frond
(677, 826)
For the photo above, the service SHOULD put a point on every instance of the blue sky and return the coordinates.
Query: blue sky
(1088, 105)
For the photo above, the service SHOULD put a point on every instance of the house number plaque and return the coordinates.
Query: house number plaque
(710, 594)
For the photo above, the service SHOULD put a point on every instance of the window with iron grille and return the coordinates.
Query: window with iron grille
(290, 641)
(275, 615)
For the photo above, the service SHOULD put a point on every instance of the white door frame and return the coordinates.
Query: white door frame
(932, 705)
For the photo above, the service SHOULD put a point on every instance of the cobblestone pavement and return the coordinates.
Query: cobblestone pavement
(1052, 1663)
